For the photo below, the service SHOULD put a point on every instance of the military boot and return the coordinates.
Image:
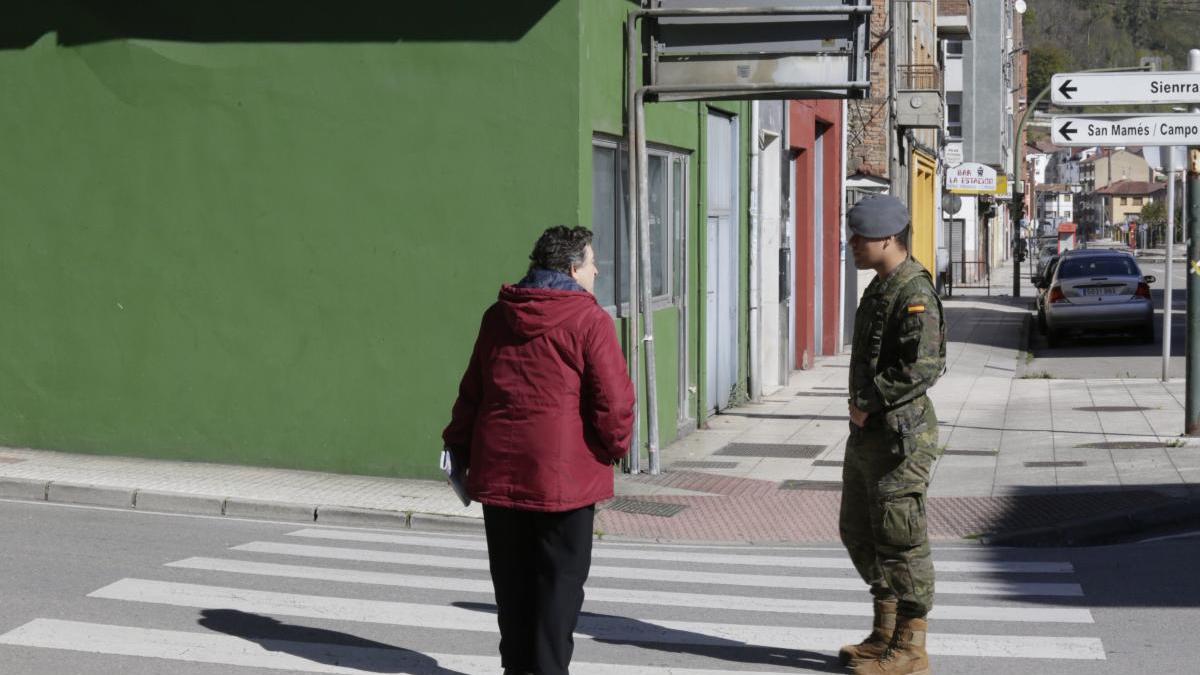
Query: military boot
(881, 635)
(905, 655)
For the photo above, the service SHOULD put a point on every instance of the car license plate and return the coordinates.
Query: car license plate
(1103, 290)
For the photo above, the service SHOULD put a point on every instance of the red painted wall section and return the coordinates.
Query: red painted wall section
(832, 263)
(806, 118)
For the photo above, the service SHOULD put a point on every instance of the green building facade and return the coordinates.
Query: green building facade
(268, 240)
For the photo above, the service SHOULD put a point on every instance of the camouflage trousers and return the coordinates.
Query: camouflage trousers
(882, 520)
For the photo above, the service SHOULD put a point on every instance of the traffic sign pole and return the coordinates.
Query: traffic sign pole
(1169, 288)
(1192, 398)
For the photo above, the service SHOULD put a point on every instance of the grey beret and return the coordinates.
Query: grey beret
(878, 217)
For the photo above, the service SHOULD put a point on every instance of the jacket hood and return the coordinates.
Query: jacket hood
(531, 312)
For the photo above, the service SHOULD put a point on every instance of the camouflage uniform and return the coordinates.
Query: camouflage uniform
(899, 351)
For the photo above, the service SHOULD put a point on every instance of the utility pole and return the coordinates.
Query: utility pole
(1192, 407)
(1169, 288)
(895, 143)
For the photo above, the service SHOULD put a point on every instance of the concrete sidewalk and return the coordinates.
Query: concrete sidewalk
(1021, 454)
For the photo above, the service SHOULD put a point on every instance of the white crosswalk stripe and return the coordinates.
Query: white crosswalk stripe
(680, 600)
(637, 597)
(278, 654)
(838, 583)
(606, 628)
(812, 562)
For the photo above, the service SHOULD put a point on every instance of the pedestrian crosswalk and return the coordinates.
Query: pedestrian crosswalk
(294, 602)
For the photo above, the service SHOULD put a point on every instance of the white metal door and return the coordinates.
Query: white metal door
(774, 312)
(722, 273)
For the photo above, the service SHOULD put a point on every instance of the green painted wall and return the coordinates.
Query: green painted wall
(269, 253)
(275, 251)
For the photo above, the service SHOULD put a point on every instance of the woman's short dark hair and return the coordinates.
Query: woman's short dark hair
(560, 248)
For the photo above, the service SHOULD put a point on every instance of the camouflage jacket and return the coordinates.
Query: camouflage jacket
(899, 349)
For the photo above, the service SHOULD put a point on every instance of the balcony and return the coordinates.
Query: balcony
(954, 20)
(918, 77)
(919, 96)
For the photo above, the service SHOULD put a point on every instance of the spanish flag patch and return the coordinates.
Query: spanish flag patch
(916, 309)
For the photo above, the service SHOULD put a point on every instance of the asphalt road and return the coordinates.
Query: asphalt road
(88, 590)
(1119, 356)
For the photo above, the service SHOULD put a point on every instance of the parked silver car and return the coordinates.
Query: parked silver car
(1097, 290)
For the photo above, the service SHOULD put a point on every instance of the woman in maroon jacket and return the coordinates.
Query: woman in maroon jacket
(543, 412)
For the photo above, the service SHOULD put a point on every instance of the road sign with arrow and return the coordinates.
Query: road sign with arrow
(1120, 130)
(1146, 88)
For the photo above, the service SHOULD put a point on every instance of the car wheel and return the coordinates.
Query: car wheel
(1041, 322)
(1053, 337)
(1147, 334)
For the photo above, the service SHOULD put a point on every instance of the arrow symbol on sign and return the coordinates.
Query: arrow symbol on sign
(1066, 90)
(1066, 131)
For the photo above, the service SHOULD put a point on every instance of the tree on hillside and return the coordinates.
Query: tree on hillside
(1045, 61)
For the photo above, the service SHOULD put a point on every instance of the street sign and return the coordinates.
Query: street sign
(953, 154)
(951, 203)
(1125, 88)
(971, 177)
(1119, 130)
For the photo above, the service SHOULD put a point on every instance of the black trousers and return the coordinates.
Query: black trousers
(539, 563)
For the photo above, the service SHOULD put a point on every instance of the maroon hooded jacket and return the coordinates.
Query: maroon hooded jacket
(546, 404)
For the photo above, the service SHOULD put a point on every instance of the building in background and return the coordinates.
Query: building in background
(1101, 169)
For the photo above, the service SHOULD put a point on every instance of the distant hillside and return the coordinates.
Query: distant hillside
(1064, 35)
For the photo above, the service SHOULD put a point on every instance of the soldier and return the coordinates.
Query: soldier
(899, 351)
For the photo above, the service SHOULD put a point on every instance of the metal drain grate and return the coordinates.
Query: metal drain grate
(830, 389)
(771, 450)
(704, 465)
(644, 508)
(830, 394)
(1113, 408)
(827, 462)
(1123, 445)
(1047, 465)
(826, 485)
(972, 453)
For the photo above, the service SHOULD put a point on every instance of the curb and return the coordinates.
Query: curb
(356, 517)
(1099, 530)
(178, 502)
(94, 495)
(159, 501)
(23, 488)
(433, 521)
(236, 507)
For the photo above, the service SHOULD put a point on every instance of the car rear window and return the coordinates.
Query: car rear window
(1097, 266)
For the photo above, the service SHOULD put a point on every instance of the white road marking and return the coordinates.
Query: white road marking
(308, 657)
(605, 552)
(614, 629)
(637, 597)
(843, 583)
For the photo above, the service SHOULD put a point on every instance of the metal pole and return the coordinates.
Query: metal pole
(1167, 293)
(644, 277)
(633, 461)
(893, 144)
(1191, 425)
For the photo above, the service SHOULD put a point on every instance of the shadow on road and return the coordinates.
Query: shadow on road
(652, 636)
(320, 645)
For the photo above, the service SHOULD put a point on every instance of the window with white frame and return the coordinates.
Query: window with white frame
(954, 125)
(667, 178)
